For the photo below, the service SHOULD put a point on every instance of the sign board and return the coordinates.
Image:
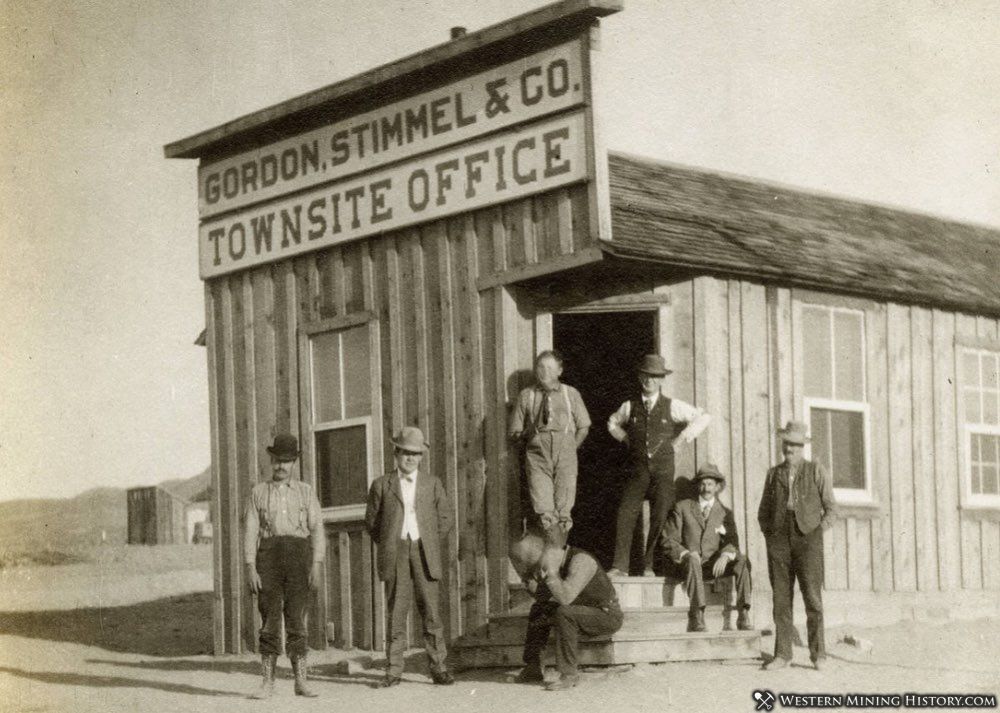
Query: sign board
(529, 88)
(528, 159)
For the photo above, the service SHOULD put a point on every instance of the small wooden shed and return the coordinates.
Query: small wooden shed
(156, 517)
(395, 248)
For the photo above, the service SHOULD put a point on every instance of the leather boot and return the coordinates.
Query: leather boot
(299, 668)
(696, 620)
(743, 620)
(267, 663)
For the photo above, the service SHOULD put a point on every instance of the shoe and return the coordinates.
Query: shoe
(443, 678)
(389, 682)
(743, 620)
(531, 673)
(267, 664)
(564, 683)
(300, 669)
(615, 572)
(777, 663)
(696, 620)
(819, 664)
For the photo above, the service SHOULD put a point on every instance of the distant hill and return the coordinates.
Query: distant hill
(65, 524)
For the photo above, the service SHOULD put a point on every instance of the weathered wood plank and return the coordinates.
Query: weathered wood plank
(346, 620)
(335, 604)
(879, 529)
(859, 554)
(353, 257)
(945, 462)
(406, 306)
(746, 521)
(493, 425)
(285, 348)
(712, 390)
(681, 384)
(969, 526)
(901, 442)
(450, 444)
(216, 462)
(924, 491)
(835, 544)
(230, 489)
(397, 364)
(757, 426)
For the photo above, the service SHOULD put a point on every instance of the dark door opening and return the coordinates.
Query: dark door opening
(601, 351)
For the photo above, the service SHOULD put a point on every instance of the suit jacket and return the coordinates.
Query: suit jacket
(813, 497)
(384, 520)
(686, 529)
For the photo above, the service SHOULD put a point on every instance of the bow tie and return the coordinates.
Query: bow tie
(407, 478)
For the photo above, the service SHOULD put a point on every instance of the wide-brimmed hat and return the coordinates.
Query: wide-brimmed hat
(654, 365)
(710, 470)
(410, 438)
(285, 447)
(795, 432)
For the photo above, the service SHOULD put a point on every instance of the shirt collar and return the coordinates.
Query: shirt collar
(553, 390)
(702, 502)
(411, 478)
(651, 400)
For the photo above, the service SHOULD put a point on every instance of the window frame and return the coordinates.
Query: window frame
(864, 497)
(970, 500)
(353, 512)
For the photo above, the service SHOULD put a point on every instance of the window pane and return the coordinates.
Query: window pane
(990, 415)
(820, 427)
(357, 372)
(989, 374)
(342, 466)
(974, 448)
(848, 356)
(816, 354)
(326, 377)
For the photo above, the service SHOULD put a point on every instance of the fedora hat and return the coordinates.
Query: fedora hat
(654, 365)
(795, 432)
(710, 470)
(410, 438)
(285, 447)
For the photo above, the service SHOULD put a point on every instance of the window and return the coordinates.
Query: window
(341, 400)
(981, 407)
(834, 396)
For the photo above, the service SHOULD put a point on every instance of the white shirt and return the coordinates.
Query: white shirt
(705, 505)
(680, 412)
(408, 489)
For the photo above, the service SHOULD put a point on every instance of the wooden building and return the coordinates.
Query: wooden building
(155, 517)
(395, 248)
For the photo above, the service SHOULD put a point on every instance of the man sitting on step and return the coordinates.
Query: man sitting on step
(572, 594)
(702, 543)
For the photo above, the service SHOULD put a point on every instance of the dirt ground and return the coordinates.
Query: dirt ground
(102, 640)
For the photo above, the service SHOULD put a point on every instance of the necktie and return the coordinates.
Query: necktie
(649, 404)
(705, 510)
(546, 410)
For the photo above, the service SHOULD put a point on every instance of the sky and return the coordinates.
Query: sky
(888, 101)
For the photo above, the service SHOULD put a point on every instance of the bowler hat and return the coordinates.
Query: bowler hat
(654, 365)
(286, 447)
(710, 470)
(410, 438)
(795, 432)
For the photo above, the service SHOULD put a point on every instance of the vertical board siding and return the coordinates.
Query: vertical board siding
(872, 566)
(924, 491)
(945, 443)
(969, 524)
(990, 528)
(902, 447)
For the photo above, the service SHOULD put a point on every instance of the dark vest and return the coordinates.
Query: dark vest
(652, 433)
(808, 510)
(599, 591)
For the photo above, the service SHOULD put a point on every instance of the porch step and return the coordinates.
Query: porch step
(644, 592)
(654, 621)
(619, 648)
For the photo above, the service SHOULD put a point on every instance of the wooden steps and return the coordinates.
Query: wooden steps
(653, 631)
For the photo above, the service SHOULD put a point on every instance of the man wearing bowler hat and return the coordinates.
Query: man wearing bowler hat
(407, 515)
(795, 508)
(653, 426)
(283, 555)
(702, 543)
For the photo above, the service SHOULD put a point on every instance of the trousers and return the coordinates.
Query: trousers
(569, 621)
(411, 581)
(654, 485)
(283, 564)
(550, 458)
(791, 556)
(694, 578)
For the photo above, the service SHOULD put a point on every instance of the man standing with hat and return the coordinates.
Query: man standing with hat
(283, 554)
(407, 515)
(653, 426)
(795, 508)
(702, 543)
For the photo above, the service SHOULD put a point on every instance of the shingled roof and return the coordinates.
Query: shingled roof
(718, 224)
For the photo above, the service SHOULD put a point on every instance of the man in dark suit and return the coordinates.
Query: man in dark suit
(795, 508)
(702, 543)
(407, 515)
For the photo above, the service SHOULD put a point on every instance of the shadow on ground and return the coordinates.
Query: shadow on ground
(97, 681)
(174, 626)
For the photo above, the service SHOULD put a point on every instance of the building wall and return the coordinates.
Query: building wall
(737, 355)
(443, 323)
